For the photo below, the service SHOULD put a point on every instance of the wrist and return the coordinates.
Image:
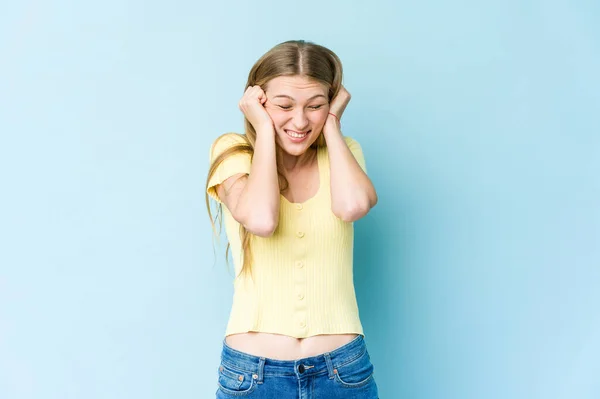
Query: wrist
(265, 131)
(332, 123)
(335, 117)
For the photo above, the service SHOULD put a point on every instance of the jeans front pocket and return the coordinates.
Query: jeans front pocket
(235, 382)
(356, 373)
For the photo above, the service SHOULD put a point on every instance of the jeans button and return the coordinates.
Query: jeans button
(301, 369)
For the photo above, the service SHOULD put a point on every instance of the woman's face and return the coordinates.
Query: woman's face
(298, 107)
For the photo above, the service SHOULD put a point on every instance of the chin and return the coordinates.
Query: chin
(296, 148)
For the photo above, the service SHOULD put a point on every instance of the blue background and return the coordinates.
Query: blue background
(477, 274)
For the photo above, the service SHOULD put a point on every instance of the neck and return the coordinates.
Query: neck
(292, 162)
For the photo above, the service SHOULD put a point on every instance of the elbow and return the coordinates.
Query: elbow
(259, 222)
(373, 199)
(352, 212)
(262, 226)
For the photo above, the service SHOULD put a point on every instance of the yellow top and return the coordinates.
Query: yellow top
(302, 282)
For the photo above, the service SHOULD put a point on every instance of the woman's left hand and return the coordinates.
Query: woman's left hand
(337, 106)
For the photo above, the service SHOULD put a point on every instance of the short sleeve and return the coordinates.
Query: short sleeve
(356, 150)
(235, 163)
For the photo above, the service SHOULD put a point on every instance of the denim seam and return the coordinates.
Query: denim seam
(236, 368)
(292, 374)
(261, 370)
(358, 356)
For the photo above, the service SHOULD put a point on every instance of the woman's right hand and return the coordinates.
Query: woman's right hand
(252, 105)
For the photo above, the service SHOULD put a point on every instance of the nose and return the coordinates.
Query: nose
(300, 121)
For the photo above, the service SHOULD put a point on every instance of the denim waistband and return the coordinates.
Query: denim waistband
(319, 364)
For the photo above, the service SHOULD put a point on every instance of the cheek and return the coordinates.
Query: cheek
(277, 116)
(319, 117)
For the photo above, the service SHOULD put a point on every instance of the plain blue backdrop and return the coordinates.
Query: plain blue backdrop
(477, 274)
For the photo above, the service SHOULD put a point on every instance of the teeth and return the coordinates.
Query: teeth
(296, 135)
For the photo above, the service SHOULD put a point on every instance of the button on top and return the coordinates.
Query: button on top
(299, 206)
(300, 234)
(299, 264)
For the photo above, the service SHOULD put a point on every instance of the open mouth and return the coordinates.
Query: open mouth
(297, 136)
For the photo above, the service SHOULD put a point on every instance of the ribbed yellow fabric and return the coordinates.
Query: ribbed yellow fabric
(302, 283)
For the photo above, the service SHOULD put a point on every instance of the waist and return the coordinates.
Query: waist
(315, 364)
(283, 347)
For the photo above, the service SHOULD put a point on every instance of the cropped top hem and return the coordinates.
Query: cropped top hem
(294, 334)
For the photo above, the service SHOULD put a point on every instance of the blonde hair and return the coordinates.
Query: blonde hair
(290, 58)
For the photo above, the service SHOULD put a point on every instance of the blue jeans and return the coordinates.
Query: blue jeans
(345, 372)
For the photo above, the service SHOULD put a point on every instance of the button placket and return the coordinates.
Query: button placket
(298, 294)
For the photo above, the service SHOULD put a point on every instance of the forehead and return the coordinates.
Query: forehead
(297, 87)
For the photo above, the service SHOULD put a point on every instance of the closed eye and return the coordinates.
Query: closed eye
(289, 107)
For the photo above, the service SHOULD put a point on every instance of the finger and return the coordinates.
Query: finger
(262, 97)
(255, 92)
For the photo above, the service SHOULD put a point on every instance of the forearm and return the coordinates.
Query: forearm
(352, 192)
(258, 204)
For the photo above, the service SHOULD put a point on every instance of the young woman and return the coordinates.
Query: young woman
(291, 187)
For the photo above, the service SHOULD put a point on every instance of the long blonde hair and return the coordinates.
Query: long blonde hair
(290, 58)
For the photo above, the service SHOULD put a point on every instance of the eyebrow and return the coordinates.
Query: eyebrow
(286, 96)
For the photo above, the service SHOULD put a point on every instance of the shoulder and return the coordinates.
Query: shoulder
(357, 151)
(226, 141)
(353, 145)
(351, 142)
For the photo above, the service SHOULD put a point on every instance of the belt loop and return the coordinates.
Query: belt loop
(329, 365)
(261, 366)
